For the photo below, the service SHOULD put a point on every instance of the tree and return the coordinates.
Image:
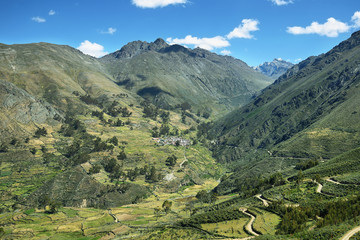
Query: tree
(3, 147)
(14, 141)
(109, 165)
(114, 141)
(40, 132)
(53, 207)
(164, 129)
(167, 206)
(171, 161)
(122, 155)
(165, 116)
(95, 169)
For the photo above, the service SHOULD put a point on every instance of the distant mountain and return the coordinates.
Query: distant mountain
(310, 112)
(274, 69)
(169, 75)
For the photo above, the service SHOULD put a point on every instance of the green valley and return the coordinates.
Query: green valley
(158, 141)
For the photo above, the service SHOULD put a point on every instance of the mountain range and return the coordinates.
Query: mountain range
(159, 141)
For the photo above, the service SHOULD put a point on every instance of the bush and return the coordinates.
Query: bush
(40, 132)
(95, 169)
(171, 161)
(3, 147)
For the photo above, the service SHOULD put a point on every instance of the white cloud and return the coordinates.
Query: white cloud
(332, 28)
(225, 52)
(244, 30)
(92, 49)
(282, 2)
(110, 31)
(156, 3)
(356, 19)
(52, 12)
(205, 43)
(38, 19)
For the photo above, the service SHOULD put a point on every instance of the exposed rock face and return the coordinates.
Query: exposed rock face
(274, 69)
(24, 106)
(20, 111)
(77, 189)
(135, 48)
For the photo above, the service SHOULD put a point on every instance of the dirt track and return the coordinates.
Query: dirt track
(350, 233)
(249, 225)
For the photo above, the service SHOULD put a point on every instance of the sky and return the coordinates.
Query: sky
(254, 31)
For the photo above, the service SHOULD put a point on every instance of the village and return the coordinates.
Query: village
(176, 141)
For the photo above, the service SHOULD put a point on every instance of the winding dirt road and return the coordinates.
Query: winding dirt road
(350, 233)
(332, 181)
(249, 225)
(319, 187)
(260, 197)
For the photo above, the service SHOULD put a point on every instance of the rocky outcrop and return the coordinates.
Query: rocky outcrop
(76, 188)
(135, 48)
(21, 113)
(24, 107)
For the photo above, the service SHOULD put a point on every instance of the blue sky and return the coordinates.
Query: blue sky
(254, 31)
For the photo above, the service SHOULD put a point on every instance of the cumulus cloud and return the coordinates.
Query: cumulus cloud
(38, 19)
(244, 30)
(92, 49)
(205, 43)
(225, 52)
(331, 28)
(156, 3)
(52, 12)
(110, 31)
(356, 19)
(282, 2)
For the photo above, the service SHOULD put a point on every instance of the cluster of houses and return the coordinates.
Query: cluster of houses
(176, 141)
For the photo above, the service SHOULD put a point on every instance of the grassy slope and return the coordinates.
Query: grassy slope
(316, 95)
(183, 75)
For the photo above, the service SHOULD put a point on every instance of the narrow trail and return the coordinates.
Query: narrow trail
(332, 181)
(249, 225)
(350, 233)
(113, 216)
(265, 202)
(319, 187)
(185, 159)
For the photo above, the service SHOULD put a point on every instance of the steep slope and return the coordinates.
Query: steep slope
(170, 75)
(53, 72)
(311, 111)
(274, 69)
(21, 113)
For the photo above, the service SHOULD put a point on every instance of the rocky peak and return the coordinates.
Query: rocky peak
(275, 68)
(160, 43)
(137, 47)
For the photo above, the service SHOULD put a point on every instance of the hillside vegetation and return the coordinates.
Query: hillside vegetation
(131, 146)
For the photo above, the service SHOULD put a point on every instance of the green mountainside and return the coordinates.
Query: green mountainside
(137, 145)
(311, 111)
(168, 75)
